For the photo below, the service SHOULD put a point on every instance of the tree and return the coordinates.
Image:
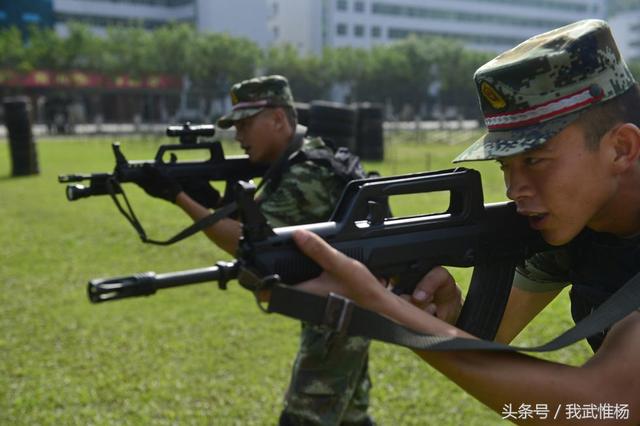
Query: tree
(346, 66)
(129, 51)
(170, 49)
(454, 72)
(308, 77)
(13, 54)
(215, 61)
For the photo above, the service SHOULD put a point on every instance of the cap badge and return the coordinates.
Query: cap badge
(492, 96)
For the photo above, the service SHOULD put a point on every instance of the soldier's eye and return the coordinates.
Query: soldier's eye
(532, 161)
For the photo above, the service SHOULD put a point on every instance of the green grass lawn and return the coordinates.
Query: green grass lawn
(194, 355)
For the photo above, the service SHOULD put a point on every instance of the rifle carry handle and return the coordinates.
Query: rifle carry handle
(216, 153)
(464, 185)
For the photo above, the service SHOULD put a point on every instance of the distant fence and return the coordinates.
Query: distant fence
(131, 128)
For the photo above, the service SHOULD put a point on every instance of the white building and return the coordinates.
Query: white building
(240, 18)
(311, 25)
(626, 29)
(100, 14)
(491, 25)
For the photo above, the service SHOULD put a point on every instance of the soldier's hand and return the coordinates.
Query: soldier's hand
(438, 294)
(342, 274)
(158, 184)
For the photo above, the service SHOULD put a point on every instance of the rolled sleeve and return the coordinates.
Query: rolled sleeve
(543, 272)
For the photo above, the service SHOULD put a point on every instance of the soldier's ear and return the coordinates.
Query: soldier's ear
(279, 118)
(626, 143)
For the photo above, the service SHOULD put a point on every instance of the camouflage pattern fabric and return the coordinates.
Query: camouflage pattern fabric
(329, 380)
(307, 192)
(530, 93)
(546, 271)
(249, 97)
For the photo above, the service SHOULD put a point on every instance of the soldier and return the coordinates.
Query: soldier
(329, 381)
(563, 123)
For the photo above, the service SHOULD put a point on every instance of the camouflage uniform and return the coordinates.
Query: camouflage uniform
(528, 95)
(329, 381)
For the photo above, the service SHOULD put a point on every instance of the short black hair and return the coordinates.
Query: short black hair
(599, 119)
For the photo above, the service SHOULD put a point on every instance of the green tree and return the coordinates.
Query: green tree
(454, 69)
(128, 51)
(388, 77)
(215, 61)
(169, 49)
(81, 49)
(308, 77)
(13, 53)
(44, 50)
(347, 66)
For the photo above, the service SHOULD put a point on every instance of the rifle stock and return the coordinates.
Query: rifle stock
(493, 238)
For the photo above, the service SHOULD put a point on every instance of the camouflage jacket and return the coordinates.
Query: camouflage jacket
(307, 192)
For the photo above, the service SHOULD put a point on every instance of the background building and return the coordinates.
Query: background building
(626, 27)
(26, 12)
(241, 18)
(490, 25)
(311, 25)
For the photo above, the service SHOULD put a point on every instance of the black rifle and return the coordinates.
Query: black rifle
(216, 168)
(493, 238)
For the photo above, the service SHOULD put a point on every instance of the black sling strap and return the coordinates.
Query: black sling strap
(273, 174)
(342, 315)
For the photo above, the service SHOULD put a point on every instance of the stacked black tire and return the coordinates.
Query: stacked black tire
(17, 116)
(357, 127)
(303, 110)
(334, 122)
(370, 132)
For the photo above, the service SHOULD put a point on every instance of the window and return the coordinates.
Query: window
(376, 32)
(358, 30)
(341, 5)
(31, 17)
(358, 6)
(341, 29)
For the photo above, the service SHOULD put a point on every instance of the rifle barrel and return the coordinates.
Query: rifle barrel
(147, 283)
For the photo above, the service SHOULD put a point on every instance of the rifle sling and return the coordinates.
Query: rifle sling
(273, 174)
(345, 317)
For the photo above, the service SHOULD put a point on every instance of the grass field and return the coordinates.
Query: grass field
(194, 355)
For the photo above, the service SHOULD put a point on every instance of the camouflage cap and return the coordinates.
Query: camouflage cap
(530, 93)
(249, 97)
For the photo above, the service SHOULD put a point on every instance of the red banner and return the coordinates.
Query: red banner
(82, 79)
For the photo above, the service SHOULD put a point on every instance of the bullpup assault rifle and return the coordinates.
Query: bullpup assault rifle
(492, 238)
(216, 168)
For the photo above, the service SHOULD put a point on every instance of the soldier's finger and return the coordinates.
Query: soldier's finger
(318, 250)
(436, 282)
(431, 308)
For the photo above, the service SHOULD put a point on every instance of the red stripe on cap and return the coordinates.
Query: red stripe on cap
(542, 112)
(254, 104)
